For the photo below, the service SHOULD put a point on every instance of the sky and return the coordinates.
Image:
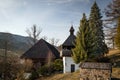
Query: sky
(54, 17)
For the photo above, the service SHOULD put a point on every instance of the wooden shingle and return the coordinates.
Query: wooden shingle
(41, 50)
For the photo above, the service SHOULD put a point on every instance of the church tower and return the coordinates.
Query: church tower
(67, 46)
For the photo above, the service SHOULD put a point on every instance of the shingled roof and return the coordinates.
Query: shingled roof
(41, 50)
(71, 39)
(93, 65)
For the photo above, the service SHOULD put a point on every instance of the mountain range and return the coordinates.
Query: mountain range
(14, 42)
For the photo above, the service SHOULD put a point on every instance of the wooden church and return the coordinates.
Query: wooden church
(68, 63)
(41, 53)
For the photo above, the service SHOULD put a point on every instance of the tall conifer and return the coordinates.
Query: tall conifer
(90, 37)
(80, 52)
(95, 23)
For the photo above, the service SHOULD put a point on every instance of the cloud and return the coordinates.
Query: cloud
(8, 7)
(7, 4)
(66, 1)
(60, 1)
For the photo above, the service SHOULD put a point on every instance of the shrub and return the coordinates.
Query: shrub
(10, 68)
(58, 65)
(103, 59)
(43, 70)
(34, 75)
(48, 69)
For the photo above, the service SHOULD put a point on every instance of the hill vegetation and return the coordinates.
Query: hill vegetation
(14, 42)
(10, 53)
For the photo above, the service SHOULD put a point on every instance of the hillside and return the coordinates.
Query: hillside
(68, 76)
(75, 76)
(114, 56)
(14, 42)
(9, 53)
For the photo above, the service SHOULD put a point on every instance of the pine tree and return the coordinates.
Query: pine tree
(95, 24)
(80, 52)
(117, 36)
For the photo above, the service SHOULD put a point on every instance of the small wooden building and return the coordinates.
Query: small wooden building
(41, 53)
(95, 71)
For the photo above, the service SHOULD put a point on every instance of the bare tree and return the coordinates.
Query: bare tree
(33, 33)
(45, 38)
(112, 12)
(54, 41)
(110, 32)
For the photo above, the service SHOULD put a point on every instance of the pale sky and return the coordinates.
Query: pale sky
(55, 17)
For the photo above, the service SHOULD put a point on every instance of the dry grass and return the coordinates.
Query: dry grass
(114, 55)
(116, 73)
(9, 53)
(113, 52)
(67, 76)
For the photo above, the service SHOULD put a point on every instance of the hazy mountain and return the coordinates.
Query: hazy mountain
(14, 42)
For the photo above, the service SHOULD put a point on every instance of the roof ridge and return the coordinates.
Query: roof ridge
(41, 49)
(49, 46)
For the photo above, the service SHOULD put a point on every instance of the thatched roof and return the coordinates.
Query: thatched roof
(71, 39)
(93, 65)
(41, 50)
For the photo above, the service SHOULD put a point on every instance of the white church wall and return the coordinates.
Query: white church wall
(67, 62)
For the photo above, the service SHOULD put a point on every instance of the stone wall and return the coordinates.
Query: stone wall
(93, 73)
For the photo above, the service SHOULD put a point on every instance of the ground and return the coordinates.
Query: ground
(114, 55)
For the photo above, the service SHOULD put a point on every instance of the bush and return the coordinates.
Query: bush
(103, 59)
(10, 68)
(48, 69)
(58, 65)
(43, 70)
(34, 75)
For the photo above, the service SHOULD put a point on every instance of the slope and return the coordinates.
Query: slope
(114, 56)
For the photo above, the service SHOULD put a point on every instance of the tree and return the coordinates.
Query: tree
(112, 12)
(95, 24)
(45, 38)
(80, 52)
(34, 34)
(117, 36)
(54, 41)
(110, 36)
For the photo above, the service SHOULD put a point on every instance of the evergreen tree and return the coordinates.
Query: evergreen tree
(95, 24)
(80, 52)
(117, 36)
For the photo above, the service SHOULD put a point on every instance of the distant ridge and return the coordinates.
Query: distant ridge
(15, 42)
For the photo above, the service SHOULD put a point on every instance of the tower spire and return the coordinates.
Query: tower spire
(71, 30)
